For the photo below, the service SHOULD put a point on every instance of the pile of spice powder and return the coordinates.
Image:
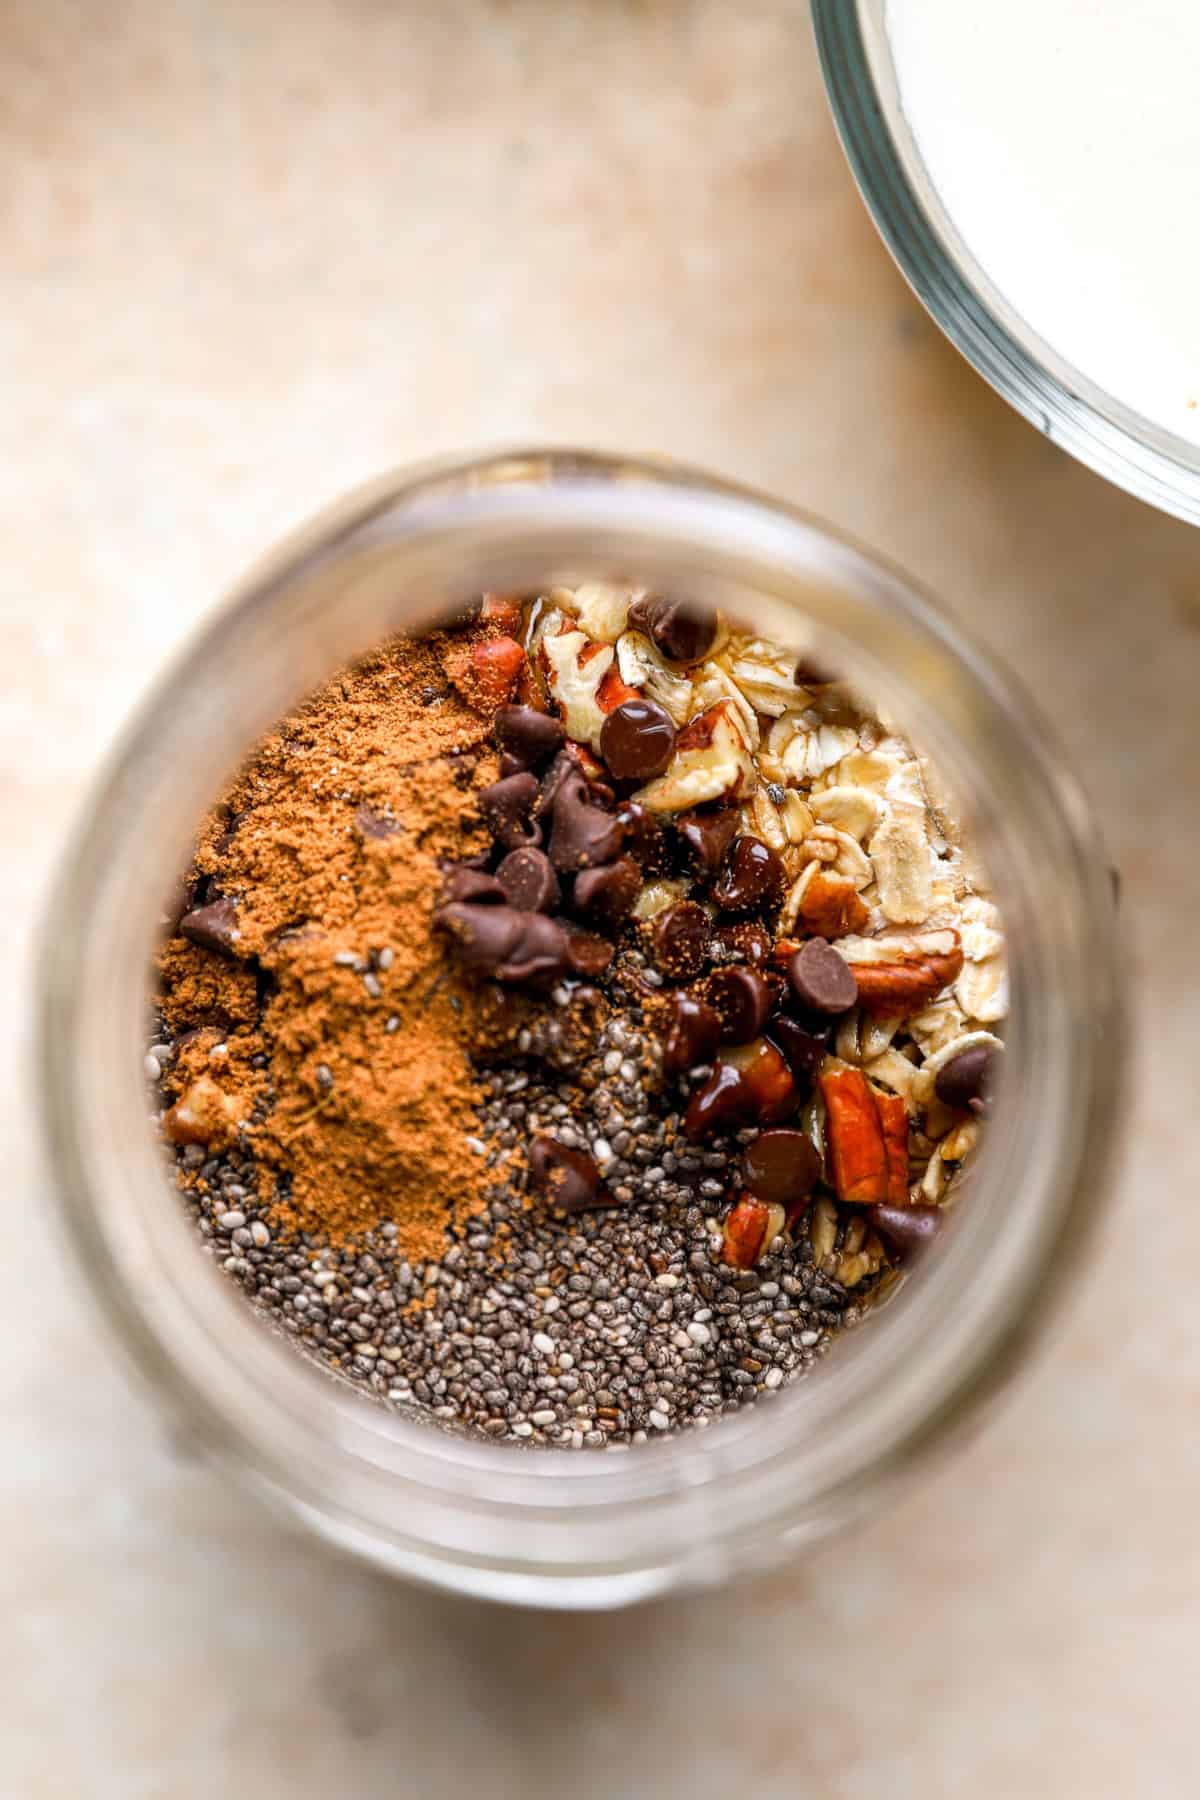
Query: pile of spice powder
(340, 1029)
(571, 1020)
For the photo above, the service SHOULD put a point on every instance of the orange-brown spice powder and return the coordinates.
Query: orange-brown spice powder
(328, 841)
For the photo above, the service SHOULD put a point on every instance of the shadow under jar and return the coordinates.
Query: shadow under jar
(597, 1528)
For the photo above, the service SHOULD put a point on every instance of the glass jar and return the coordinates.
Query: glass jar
(544, 1526)
(1072, 410)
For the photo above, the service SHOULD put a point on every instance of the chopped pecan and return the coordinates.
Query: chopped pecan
(829, 906)
(486, 673)
(205, 1114)
(867, 1135)
(614, 692)
(889, 989)
(893, 1118)
(749, 1228)
(502, 613)
(902, 972)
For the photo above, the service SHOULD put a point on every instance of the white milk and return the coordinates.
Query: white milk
(1063, 137)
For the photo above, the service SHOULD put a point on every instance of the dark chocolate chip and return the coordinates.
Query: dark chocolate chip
(740, 941)
(681, 940)
(608, 893)
(965, 1077)
(750, 1085)
(821, 979)
(708, 836)
(682, 630)
(213, 927)
(543, 949)
(781, 1167)
(371, 824)
(811, 673)
(752, 876)
(583, 835)
(587, 954)
(907, 1229)
(645, 839)
(182, 899)
(483, 935)
(802, 1050)
(693, 1034)
(561, 769)
(528, 736)
(506, 806)
(462, 883)
(527, 880)
(567, 1180)
(500, 941)
(743, 999)
(637, 740)
(721, 1103)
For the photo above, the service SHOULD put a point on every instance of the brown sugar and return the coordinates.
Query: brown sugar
(338, 1018)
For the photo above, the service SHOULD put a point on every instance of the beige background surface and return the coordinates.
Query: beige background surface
(253, 250)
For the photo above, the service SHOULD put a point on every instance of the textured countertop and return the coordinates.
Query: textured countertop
(253, 252)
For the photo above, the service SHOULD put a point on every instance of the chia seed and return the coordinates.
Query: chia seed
(650, 1335)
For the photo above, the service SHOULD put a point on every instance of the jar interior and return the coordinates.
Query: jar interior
(524, 1523)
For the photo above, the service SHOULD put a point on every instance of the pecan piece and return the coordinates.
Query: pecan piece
(830, 906)
(749, 1228)
(887, 989)
(867, 1135)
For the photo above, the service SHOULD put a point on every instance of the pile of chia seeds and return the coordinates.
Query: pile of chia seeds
(604, 1329)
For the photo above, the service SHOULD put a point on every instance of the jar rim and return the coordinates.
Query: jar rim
(542, 1525)
(1064, 404)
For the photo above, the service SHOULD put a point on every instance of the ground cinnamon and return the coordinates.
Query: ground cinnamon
(338, 1027)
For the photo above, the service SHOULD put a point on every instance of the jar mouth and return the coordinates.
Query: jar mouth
(591, 1527)
(1073, 411)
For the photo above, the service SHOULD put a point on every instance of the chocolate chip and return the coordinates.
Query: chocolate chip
(802, 1050)
(529, 737)
(811, 673)
(500, 941)
(609, 893)
(682, 630)
(752, 876)
(708, 836)
(567, 1180)
(462, 883)
(966, 1077)
(561, 769)
(740, 941)
(750, 1085)
(821, 979)
(527, 880)
(693, 1034)
(645, 839)
(483, 935)
(587, 954)
(583, 835)
(181, 899)
(781, 1167)
(637, 740)
(213, 927)
(907, 1228)
(506, 806)
(371, 824)
(543, 949)
(681, 940)
(743, 1000)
